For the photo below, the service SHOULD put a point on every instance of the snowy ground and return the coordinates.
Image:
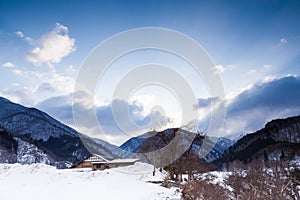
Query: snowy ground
(39, 181)
(217, 178)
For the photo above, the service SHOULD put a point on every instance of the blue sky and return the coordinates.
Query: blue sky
(253, 44)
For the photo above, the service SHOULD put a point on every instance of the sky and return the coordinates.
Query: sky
(255, 46)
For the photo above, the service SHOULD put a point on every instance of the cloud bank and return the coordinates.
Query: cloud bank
(247, 111)
(61, 108)
(269, 99)
(254, 106)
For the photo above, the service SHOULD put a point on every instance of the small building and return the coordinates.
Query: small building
(88, 163)
(113, 163)
(97, 162)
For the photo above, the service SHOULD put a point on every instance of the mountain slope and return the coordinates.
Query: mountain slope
(279, 138)
(8, 147)
(152, 141)
(25, 121)
(42, 138)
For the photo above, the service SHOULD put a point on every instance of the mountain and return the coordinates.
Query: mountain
(8, 147)
(279, 139)
(152, 141)
(28, 135)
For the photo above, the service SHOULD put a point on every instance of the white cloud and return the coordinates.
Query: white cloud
(251, 71)
(251, 108)
(283, 41)
(17, 72)
(70, 69)
(28, 39)
(8, 65)
(267, 79)
(52, 47)
(52, 82)
(42, 85)
(145, 100)
(20, 34)
(221, 69)
(268, 99)
(19, 94)
(60, 82)
(62, 108)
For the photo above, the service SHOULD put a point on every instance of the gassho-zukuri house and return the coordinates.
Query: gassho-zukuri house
(97, 162)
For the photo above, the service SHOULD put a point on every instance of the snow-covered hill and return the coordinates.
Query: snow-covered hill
(39, 181)
(28, 135)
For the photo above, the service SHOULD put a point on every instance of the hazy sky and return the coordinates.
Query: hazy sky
(255, 46)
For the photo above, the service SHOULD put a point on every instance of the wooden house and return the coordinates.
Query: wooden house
(113, 163)
(88, 163)
(97, 162)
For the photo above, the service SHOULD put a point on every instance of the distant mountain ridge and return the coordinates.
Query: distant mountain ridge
(279, 139)
(157, 140)
(43, 139)
(47, 140)
(28, 135)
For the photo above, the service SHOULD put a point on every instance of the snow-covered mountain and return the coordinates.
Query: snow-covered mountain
(28, 135)
(156, 140)
(279, 139)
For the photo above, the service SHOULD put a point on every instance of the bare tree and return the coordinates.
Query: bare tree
(203, 190)
(261, 182)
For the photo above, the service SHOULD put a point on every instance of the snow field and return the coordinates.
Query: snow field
(39, 181)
